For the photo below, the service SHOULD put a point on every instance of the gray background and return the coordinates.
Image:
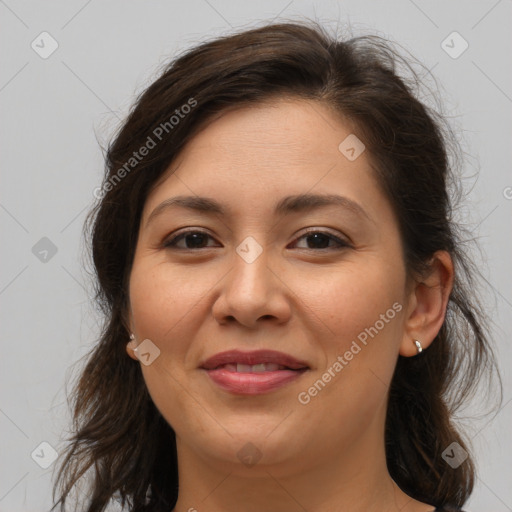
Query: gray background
(55, 109)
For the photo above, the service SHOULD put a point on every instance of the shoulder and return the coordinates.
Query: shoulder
(448, 508)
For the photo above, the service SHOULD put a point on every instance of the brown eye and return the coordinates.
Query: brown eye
(193, 240)
(321, 239)
(315, 239)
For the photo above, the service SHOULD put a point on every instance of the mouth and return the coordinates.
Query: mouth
(254, 362)
(253, 373)
(255, 368)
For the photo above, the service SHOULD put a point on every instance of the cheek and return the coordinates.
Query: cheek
(361, 312)
(161, 298)
(346, 304)
(162, 303)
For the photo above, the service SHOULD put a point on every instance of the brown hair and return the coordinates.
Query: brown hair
(119, 435)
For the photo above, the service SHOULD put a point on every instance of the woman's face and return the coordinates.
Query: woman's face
(253, 279)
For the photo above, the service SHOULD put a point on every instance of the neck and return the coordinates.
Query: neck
(355, 479)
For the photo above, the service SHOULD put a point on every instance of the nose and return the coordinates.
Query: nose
(252, 292)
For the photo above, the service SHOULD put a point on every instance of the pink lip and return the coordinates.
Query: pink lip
(253, 357)
(253, 383)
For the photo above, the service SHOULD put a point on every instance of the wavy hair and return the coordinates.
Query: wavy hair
(119, 438)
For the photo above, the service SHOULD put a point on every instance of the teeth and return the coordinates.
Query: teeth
(256, 368)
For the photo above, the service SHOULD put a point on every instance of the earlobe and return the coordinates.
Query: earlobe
(130, 347)
(429, 299)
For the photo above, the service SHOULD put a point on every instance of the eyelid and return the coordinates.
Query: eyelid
(174, 237)
(341, 239)
(342, 242)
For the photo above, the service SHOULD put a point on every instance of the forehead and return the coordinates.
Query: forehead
(251, 156)
(287, 130)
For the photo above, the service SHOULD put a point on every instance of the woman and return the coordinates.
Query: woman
(286, 299)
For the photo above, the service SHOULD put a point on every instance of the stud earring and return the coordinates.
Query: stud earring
(418, 346)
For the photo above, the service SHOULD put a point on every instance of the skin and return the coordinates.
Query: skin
(308, 302)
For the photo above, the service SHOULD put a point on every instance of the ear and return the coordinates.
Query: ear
(428, 299)
(131, 344)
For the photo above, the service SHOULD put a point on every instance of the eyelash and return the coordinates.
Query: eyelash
(171, 243)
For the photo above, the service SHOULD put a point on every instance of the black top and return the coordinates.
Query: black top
(448, 509)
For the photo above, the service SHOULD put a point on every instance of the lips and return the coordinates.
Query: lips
(254, 361)
(254, 368)
(253, 373)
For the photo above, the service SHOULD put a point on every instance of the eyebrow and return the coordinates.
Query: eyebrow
(286, 206)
